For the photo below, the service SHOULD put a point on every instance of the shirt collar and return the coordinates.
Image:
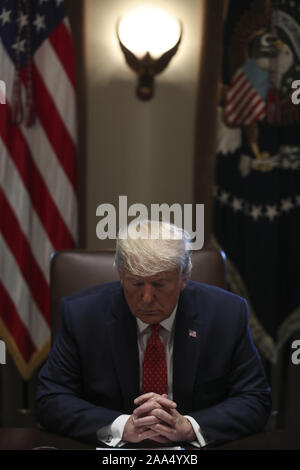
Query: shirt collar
(167, 323)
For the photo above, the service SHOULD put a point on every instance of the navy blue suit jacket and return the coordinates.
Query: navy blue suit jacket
(92, 373)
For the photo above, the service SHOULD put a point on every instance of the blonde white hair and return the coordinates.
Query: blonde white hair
(147, 247)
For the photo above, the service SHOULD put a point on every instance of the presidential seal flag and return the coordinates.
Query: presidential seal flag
(245, 99)
(257, 178)
(38, 203)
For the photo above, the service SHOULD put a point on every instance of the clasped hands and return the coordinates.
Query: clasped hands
(157, 419)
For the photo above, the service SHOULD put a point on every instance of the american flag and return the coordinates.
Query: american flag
(38, 203)
(245, 100)
(192, 333)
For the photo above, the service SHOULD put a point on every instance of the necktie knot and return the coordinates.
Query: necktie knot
(155, 328)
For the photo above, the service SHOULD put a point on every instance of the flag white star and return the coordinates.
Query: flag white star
(255, 212)
(22, 20)
(223, 198)
(39, 22)
(5, 16)
(271, 212)
(237, 204)
(286, 204)
(19, 45)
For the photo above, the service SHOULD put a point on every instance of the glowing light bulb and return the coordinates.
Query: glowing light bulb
(148, 29)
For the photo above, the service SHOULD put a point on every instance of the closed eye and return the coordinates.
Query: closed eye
(158, 285)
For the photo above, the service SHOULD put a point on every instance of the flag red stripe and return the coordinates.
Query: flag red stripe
(236, 118)
(44, 205)
(236, 91)
(243, 82)
(55, 128)
(239, 99)
(251, 109)
(62, 43)
(255, 116)
(244, 109)
(20, 248)
(263, 111)
(238, 76)
(15, 325)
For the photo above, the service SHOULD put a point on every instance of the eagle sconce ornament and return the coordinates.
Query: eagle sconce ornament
(147, 67)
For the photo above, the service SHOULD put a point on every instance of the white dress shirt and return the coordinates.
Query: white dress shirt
(112, 434)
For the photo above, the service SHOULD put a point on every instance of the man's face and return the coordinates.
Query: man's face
(152, 299)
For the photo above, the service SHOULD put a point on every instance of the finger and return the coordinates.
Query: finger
(166, 403)
(152, 403)
(145, 408)
(148, 434)
(164, 431)
(161, 399)
(146, 397)
(145, 421)
(164, 416)
(141, 430)
(149, 406)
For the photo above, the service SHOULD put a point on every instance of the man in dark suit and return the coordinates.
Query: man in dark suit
(154, 356)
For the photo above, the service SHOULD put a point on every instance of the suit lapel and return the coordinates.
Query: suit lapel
(123, 340)
(187, 344)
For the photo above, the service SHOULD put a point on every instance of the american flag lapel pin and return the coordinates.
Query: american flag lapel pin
(192, 333)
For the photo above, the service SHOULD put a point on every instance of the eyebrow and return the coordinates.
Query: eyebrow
(160, 279)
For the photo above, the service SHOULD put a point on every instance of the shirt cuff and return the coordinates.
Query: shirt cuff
(197, 430)
(111, 435)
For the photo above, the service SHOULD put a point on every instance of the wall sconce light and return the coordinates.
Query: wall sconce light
(149, 38)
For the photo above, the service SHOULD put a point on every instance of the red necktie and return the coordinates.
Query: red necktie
(155, 365)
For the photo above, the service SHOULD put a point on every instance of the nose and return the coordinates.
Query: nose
(148, 293)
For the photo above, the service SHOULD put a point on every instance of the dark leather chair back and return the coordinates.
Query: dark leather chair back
(75, 270)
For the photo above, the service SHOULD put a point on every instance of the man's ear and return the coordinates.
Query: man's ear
(183, 283)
